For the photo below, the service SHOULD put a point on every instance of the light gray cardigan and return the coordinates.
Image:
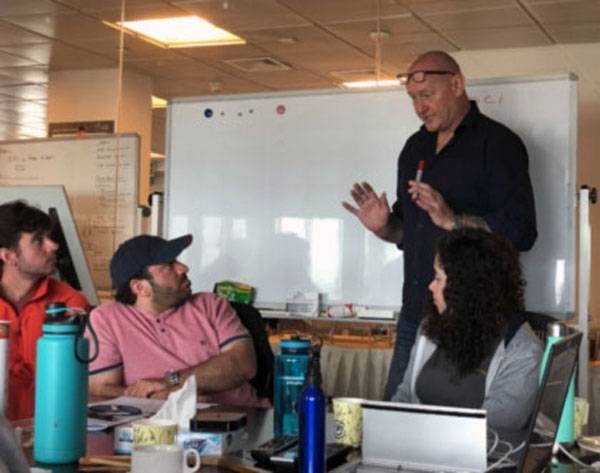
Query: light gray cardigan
(511, 382)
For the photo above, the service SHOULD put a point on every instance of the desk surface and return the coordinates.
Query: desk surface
(259, 429)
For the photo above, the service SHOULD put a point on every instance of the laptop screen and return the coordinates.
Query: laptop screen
(549, 404)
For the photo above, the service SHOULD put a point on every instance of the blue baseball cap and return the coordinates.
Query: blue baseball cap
(141, 251)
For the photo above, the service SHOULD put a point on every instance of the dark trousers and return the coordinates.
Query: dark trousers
(406, 331)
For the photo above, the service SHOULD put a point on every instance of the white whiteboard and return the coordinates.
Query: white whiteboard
(258, 181)
(44, 198)
(100, 176)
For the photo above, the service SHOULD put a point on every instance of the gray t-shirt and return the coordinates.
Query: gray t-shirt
(439, 383)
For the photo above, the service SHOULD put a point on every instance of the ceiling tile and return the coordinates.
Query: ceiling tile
(167, 88)
(13, 35)
(8, 80)
(28, 74)
(35, 53)
(30, 7)
(339, 11)
(303, 52)
(22, 106)
(292, 80)
(175, 69)
(247, 15)
(10, 60)
(70, 27)
(575, 33)
(479, 19)
(137, 12)
(429, 7)
(491, 38)
(407, 38)
(98, 5)
(27, 92)
(222, 53)
(13, 116)
(566, 11)
(63, 57)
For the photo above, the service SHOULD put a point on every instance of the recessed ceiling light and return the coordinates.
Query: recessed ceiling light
(367, 84)
(179, 32)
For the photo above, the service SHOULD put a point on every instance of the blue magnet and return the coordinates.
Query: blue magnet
(208, 112)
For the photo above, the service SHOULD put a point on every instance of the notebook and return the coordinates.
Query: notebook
(413, 437)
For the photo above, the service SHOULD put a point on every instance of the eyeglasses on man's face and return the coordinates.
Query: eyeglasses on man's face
(420, 76)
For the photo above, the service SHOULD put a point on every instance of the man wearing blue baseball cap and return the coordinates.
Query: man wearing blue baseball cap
(158, 333)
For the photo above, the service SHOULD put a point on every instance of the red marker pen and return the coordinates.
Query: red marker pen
(420, 169)
(418, 177)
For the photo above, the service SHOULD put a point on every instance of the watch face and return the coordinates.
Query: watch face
(172, 378)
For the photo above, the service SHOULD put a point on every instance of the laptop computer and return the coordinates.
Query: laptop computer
(423, 437)
(434, 438)
(545, 420)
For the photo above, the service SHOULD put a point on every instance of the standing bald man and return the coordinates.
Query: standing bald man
(475, 175)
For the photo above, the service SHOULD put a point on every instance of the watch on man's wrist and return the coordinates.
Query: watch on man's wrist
(172, 378)
(459, 221)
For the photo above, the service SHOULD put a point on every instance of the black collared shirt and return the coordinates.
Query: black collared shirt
(483, 171)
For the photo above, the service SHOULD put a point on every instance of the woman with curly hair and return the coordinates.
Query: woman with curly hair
(474, 348)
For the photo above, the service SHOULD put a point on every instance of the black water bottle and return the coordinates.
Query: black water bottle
(312, 420)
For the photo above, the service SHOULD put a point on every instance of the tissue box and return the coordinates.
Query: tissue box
(214, 432)
(212, 443)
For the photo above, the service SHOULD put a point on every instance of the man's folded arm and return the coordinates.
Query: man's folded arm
(235, 365)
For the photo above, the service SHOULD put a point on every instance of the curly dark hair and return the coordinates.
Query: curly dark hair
(484, 288)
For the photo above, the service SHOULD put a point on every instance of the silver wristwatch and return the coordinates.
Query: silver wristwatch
(172, 378)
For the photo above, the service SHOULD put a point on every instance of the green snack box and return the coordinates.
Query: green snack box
(235, 291)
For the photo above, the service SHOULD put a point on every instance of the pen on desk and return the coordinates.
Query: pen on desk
(418, 177)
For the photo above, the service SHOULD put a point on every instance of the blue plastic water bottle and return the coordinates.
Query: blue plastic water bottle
(311, 445)
(290, 371)
(61, 387)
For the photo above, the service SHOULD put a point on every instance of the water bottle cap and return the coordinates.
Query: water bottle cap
(295, 345)
(59, 313)
(556, 329)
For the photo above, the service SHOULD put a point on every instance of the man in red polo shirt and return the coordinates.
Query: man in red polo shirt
(27, 258)
(158, 333)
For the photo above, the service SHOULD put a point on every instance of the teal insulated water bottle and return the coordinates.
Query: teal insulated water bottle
(290, 370)
(61, 387)
(566, 428)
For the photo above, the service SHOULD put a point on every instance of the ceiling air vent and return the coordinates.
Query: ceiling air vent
(258, 64)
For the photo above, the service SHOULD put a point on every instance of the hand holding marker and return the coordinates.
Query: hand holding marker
(418, 177)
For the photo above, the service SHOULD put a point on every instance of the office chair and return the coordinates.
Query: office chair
(265, 361)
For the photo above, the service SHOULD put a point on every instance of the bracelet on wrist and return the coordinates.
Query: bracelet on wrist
(459, 221)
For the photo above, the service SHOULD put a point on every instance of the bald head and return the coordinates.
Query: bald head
(436, 60)
(438, 92)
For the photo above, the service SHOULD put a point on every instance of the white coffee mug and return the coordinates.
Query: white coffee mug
(163, 459)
